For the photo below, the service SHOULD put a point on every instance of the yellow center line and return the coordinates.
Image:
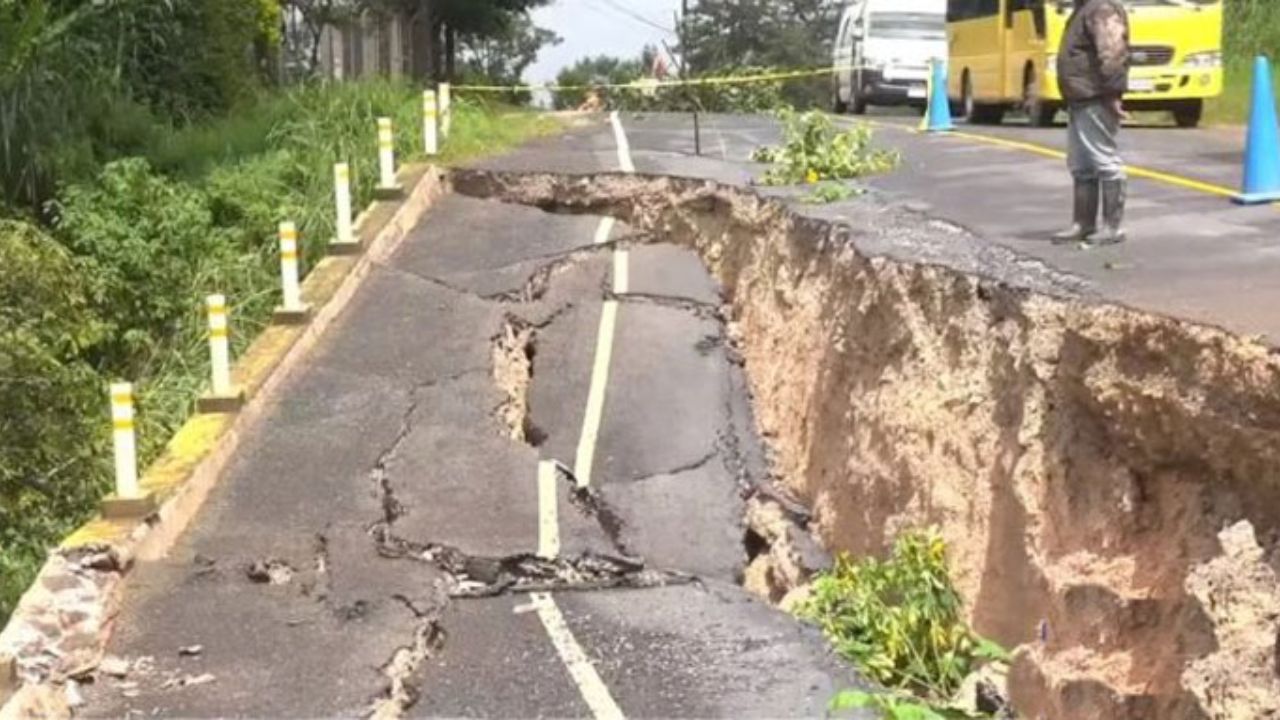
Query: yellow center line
(1049, 152)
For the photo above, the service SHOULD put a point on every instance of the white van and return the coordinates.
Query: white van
(882, 52)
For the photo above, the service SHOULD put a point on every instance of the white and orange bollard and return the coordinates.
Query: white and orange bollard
(223, 396)
(446, 110)
(292, 310)
(430, 124)
(129, 501)
(345, 241)
(388, 188)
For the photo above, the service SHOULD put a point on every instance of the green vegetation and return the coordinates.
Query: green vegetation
(1252, 29)
(813, 151)
(596, 72)
(148, 151)
(900, 621)
(113, 290)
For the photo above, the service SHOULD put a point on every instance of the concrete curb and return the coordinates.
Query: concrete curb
(61, 625)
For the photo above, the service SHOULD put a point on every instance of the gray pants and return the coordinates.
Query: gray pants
(1092, 150)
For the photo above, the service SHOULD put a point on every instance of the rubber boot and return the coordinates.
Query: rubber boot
(1084, 214)
(1114, 194)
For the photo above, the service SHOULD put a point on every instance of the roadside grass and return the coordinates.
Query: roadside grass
(195, 213)
(1232, 107)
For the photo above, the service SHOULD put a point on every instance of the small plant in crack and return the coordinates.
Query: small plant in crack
(815, 151)
(900, 620)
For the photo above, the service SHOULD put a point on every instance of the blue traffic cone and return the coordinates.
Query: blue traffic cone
(1262, 150)
(938, 116)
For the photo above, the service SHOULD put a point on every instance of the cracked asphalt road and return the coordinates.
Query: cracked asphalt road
(385, 469)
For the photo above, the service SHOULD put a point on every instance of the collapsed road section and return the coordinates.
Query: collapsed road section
(375, 549)
(1108, 480)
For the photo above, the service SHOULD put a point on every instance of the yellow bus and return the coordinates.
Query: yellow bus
(1003, 55)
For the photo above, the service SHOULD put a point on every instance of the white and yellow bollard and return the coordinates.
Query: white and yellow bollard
(345, 241)
(129, 501)
(388, 188)
(430, 124)
(223, 396)
(446, 110)
(292, 310)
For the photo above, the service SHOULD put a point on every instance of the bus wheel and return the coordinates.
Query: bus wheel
(1041, 113)
(976, 113)
(1188, 113)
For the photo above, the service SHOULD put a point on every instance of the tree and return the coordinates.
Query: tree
(503, 56)
(720, 35)
(599, 70)
(778, 33)
(477, 18)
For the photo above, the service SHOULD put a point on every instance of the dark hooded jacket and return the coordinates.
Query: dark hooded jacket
(1093, 62)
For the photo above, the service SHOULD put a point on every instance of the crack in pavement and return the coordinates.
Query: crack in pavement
(537, 283)
(696, 464)
(401, 693)
(703, 310)
(478, 576)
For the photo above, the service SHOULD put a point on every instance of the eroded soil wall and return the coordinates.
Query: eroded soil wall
(1108, 479)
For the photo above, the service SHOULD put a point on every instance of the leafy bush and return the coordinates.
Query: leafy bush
(117, 292)
(51, 431)
(813, 150)
(900, 619)
(145, 240)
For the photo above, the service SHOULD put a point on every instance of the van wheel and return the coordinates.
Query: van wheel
(975, 112)
(857, 101)
(1189, 113)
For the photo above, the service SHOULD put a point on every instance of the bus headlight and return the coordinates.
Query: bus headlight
(1203, 60)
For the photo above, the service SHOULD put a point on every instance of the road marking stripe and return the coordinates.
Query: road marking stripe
(1133, 171)
(621, 272)
(624, 146)
(548, 512)
(604, 230)
(595, 396)
(594, 691)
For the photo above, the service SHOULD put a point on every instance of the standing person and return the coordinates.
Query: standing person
(1093, 75)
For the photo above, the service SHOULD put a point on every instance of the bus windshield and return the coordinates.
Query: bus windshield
(1174, 3)
(908, 26)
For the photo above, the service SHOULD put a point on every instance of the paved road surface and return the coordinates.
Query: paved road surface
(391, 429)
(392, 426)
(1192, 254)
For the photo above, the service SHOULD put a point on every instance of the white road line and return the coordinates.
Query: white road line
(593, 690)
(548, 511)
(624, 146)
(592, 419)
(584, 674)
(604, 230)
(621, 272)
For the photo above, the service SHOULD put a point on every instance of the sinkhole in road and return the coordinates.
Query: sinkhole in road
(1108, 480)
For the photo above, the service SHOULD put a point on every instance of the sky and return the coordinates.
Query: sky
(595, 27)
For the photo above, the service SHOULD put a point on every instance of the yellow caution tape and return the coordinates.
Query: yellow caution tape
(654, 85)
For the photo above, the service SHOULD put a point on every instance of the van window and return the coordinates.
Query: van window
(908, 26)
